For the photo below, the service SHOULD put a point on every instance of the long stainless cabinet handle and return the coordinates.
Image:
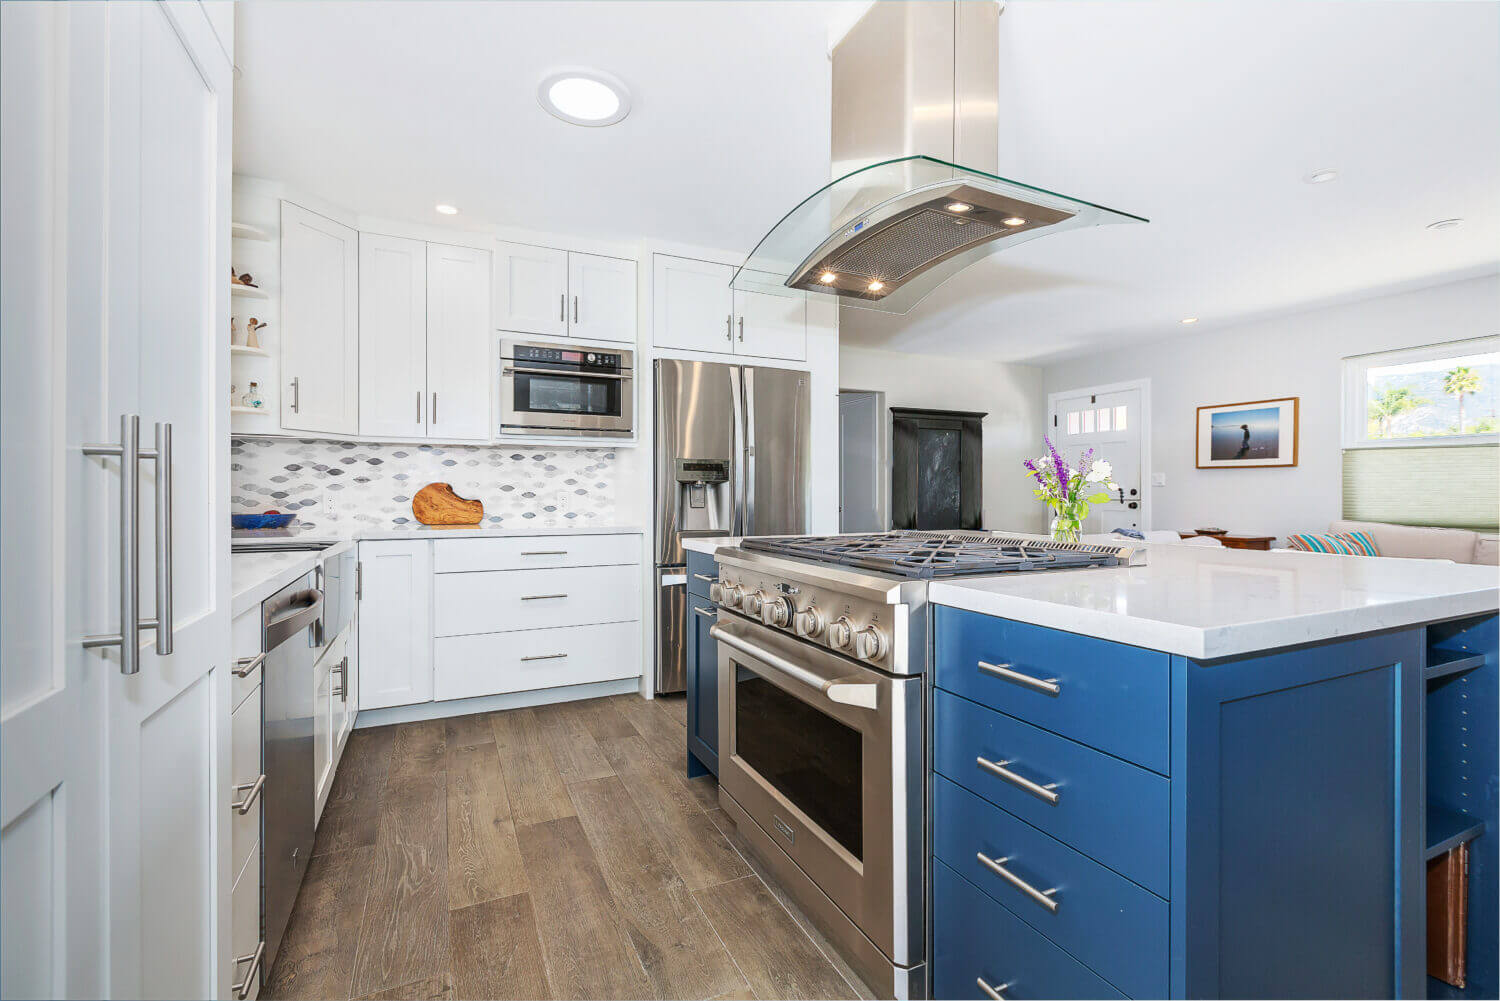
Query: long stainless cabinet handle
(297, 395)
(242, 989)
(245, 666)
(993, 993)
(343, 670)
(523, 370)
(562, 307)
(434, 409)
(419, 406)
(707, 613)
(729, 327)
(130, 454)
(544, 552)
(742, 328)
(1047, 898)
(544, 656)
(863, 694)
(1046, 792)
(1005, 672)
(541, 597)
(301, 615)
(575, 309)
(705, 578)
(252, 791)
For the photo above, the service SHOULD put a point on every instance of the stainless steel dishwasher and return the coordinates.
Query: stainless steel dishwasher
(292, 619)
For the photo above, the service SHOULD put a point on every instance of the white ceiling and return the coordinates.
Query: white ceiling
(1203, 117)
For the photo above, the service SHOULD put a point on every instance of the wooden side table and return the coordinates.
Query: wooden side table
(1262, 542)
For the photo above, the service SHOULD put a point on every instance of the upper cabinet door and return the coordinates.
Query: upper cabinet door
(531, 289)
(392, 336)
(459, 374)
(320, 326)
(771, 324)
(692, 307)
(601, 298)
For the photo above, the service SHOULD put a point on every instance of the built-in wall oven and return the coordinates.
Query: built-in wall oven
(547, 389)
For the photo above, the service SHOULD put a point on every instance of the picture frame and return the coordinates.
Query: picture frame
(1255, 434)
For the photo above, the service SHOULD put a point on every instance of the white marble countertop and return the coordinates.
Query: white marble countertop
(1208, 603)
(254, 577)
(710, 544)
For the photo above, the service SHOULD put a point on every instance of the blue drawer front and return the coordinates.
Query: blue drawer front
(1113, 697)
(1109, 923)
(1112, 811)
(974, 938)
(699, 566)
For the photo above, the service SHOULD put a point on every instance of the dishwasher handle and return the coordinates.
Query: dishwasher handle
(304, 609)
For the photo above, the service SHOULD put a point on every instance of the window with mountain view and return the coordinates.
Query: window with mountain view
(1441, 394)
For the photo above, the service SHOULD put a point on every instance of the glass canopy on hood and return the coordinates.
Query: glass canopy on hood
(884, 236)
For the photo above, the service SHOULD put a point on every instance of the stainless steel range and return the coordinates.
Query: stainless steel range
(823, 644)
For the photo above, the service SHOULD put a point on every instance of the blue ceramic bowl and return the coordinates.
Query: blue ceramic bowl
(261, 520)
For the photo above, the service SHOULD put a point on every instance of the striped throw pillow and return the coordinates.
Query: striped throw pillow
(1340, 543)
(1362, 543)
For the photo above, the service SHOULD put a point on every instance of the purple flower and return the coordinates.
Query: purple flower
(1060, 466)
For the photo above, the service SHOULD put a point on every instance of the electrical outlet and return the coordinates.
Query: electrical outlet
(1158, 479)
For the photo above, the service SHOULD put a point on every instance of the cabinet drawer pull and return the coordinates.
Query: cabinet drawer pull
(544, 552)
(541, 597)
(242, 806)
(1005, 673)
(705, 578)
(707, 613)
(1047, 898)
(242, 989)
(544, 656)
(993, 993)
(562, 307)
(245, 666)
(1045, 792)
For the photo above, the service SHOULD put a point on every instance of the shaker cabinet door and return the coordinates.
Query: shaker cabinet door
(692, 308)
(459, 374)
(601, 298)
(320, 323)
(771, 324)
(392, 336)
(395, 624)
(531, 289)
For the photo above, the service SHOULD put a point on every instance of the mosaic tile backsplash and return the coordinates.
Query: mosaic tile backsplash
(338, 488)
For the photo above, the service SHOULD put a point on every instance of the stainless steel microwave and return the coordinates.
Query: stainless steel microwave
(548, 389)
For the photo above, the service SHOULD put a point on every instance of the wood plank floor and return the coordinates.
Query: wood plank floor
(549, 852)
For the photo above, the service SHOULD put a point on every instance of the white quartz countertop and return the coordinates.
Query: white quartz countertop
(1208, 603)
(256, 576)
(708, 545)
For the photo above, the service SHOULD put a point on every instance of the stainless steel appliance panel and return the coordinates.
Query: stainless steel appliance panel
(777, 454)
(563, 390)
(671, 625)
(696, 418)
(291, 620)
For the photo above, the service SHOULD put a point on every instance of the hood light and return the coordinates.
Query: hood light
(1013, 221)
(827, 278)
(875, 286)
(959, 207)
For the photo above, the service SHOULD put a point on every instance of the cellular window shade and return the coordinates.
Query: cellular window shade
(1456, 486)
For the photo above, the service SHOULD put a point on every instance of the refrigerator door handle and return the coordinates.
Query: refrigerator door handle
(736, 448)
(748, 493)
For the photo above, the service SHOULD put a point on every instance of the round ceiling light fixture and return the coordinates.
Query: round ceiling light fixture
(1446, 224)
(584, 97)
(445, 209)
(1322, 176)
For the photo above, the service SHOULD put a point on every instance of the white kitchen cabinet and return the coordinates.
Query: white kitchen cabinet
(395, 624)
(459, 375)
(320, 323)
(601, 298)
(532, 659)
(531, 289)
(694, 309)
(346, 693)
(392, 336)
(328, 681)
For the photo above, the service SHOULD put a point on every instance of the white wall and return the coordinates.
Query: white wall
(1011, 395)
(1291, 355)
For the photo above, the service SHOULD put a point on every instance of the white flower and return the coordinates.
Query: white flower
(1100, 471)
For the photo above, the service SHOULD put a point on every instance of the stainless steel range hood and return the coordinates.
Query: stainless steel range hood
(915, 149)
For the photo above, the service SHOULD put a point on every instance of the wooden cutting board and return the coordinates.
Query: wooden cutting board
(437, 504)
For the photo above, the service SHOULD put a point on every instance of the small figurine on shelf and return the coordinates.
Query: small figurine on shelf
(234, 399)
(252, 336)
(243, 278)
(234, 331)
(252, 398)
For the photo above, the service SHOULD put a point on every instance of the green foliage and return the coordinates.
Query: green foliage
(1391, 404)
(1459, 382)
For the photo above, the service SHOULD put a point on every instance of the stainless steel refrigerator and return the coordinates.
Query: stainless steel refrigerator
(732, 458)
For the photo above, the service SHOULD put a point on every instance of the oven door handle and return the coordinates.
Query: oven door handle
(565, 373)
(843, 691)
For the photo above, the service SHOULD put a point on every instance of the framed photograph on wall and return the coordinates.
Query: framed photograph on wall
(1254, 434)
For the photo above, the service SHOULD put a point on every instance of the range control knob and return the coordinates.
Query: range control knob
(777, 611)
(809, 622)
(841, 633)
(729, 594)
(715, 592)
(590, 359)
(752, 603)
(870, 643)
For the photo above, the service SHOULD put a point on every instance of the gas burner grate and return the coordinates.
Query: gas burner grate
(936, 555)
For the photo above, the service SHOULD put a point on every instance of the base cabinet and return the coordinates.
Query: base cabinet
(395, 623)
(702, 668)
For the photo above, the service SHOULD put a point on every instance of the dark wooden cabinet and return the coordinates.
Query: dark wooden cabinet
(936, 469)
(702, 663)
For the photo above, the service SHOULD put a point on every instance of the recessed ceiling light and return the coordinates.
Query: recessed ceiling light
(1445, 224)
(584, 97)
(1322, 176)
(1014, 220)
(875, 286)
(959, 207)
(446, 209)
(827, 277)
(1189, 319)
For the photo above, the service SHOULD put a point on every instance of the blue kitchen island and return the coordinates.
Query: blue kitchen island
(1221, 774)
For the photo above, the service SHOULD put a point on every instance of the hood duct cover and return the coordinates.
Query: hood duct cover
(895, 227)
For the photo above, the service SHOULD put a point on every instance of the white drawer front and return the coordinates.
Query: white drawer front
(534, 552)
(468, 603)
(245, 768)
(469, 666)
(245, 642)
(244, 925)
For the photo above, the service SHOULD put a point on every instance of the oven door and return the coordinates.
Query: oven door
(824, 754)
(537, 400)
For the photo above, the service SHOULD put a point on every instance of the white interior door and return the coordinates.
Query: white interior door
(692, 306)
(392, 336)
(531, 289)
(1111, 422)
(601, 291)
(459, 373)
(320, 323)
(54, 500)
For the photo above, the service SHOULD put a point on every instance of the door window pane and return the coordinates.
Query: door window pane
(1088, 422)
(1103, 419)
(1072, 422)
(1120, 424)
